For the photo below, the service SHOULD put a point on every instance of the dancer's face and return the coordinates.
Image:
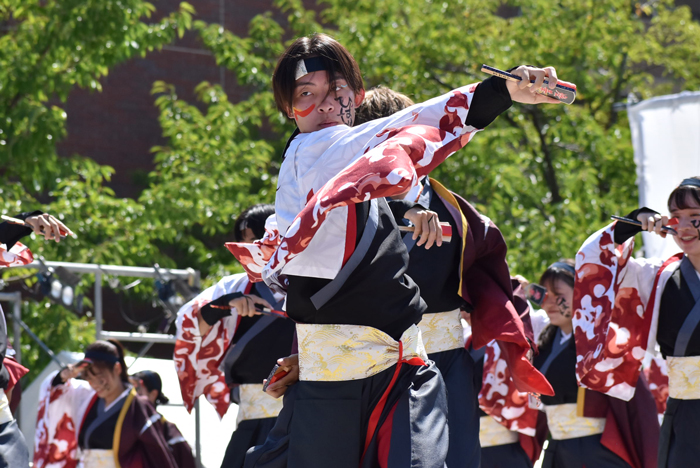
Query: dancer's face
(688, 227)
(558, 303)
(315, 106)
(102, 379)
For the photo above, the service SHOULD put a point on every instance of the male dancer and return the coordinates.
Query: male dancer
(342, 263)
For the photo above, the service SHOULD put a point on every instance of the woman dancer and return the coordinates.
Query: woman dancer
(625, 305)
(98, 422)
(587, 428)
(343, 263)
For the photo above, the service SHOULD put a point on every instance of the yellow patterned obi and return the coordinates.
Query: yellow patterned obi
(442, 331)
(256, 404)
(352, 352)
(564, 422)
(97, 458)
(491, 433)
(684, 377)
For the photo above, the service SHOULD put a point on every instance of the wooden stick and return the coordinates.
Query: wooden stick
(668, 229)
(564, 91)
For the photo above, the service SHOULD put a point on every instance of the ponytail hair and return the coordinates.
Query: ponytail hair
(124, 376)
(151, 380)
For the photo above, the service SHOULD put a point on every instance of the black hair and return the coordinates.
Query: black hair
(253, 217)
(151, 380)
(563, 270)
(336, 60)
(111, 348)
(679, 196)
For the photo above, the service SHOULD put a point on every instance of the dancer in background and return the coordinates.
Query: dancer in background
(225, 348)
(342, 263)
(148, 383)
(98, 420)
(448, 275)
(587, 428)
(625, 305)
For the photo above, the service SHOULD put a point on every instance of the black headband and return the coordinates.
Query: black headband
(563, 266)
(692, 182)
(93, 356)
(309, 65)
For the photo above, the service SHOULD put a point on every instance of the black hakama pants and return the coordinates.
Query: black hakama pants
(457, 369)
(324, 424)
(248, 434)
(679, 443)
(13, 448)
(505, 456)
(582, 452)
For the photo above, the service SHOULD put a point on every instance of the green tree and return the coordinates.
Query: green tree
(48, 47)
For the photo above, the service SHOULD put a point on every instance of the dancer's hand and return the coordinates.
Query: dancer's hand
(48, 226)
(525, 92)
(653, 222)
(290, 364)
(427, 226)
(245, 305)
(72, 371)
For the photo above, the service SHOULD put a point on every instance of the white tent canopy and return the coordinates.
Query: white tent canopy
(666, 140)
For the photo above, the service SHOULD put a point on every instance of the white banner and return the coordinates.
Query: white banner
(666, 141)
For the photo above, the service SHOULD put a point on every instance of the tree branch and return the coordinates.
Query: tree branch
(549, 173)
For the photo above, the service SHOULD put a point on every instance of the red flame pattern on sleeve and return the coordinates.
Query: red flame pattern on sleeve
(391, 165)
(56, 436)
(197, 357)
(612, 319)
(500, 398)
(18, 255)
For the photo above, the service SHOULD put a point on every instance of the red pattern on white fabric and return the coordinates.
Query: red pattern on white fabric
(18, 255)
(614, 319)
(61, 410)
(499, 397)
(657, 376)
(390, 167)
(197, 358)
(254, 256)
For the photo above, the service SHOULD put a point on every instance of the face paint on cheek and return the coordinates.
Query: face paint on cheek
(696, 224)
(564, 308)
(303, 113)
(345, 113)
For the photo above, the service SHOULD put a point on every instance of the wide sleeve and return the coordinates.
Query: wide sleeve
(151, 437)
(11, 233)
(612, 314)
(197, 357)
(61, 411)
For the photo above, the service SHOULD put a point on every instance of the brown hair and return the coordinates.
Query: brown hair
(381, 102)
(112, 348)
(556, 272)
(335, 58)
(679, 196)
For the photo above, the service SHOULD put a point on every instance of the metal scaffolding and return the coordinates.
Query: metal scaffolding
(190, 275)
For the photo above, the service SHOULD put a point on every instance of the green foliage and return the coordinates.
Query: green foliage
(46, 49)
